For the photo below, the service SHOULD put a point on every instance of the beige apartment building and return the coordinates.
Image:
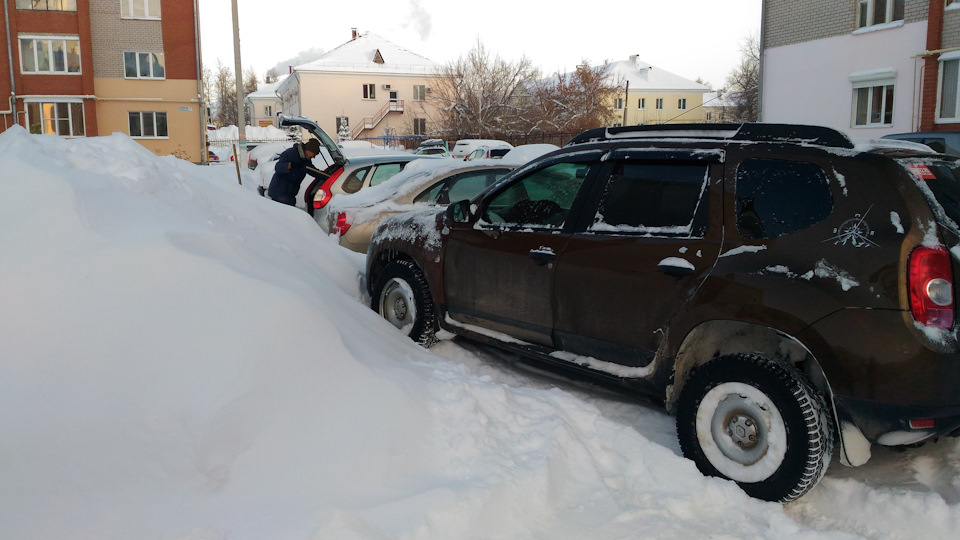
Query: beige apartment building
(367, 87)
(654, 95)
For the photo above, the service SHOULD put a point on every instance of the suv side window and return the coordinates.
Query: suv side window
(542, 198)
(460, 187)
(777, 197)
(662, 200)
(384, 172)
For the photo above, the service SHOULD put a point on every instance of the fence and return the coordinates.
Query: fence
(411, 142)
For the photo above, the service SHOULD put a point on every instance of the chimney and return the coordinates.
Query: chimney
(291, 69)
(353, 32)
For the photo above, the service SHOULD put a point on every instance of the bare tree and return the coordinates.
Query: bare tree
(271, 76)
(225, 93)
(576, 101)
(482, 95)
(743, 84)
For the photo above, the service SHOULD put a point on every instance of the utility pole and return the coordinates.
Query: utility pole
(238, 72)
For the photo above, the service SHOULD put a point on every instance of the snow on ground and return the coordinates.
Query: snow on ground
(184, 359)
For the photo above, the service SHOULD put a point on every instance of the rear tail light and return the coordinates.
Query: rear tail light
(324, 192)
(342, 225)
(930, 285)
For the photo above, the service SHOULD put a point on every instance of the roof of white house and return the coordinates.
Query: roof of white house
(371, 53)
(714, 99)
(644, 76)
(267, 90)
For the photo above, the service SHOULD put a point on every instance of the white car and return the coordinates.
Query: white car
(465, 147)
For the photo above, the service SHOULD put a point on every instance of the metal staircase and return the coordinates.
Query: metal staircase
(370, 122)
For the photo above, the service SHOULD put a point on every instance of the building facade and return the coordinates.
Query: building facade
(866, 67)
(91, 67)
(654, 95)
(263, 105)
(366, 88)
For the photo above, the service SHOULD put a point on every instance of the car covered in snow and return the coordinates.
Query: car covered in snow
(776, 287)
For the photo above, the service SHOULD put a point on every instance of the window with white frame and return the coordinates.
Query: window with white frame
(419, 126)
(148, 125)
(143, 65)
(873, 12)
(873, 98)
(64, 118)
(419, 92)
(642, 103)
(47, 5)
(140, 9)
(682, 104)
(49, 54)
(618, 104)
(659, 104)
(369, 91)
(267, 110)
(948, 88)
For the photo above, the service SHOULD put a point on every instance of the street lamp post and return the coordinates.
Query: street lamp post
(242, 155)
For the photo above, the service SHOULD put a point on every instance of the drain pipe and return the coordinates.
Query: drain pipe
(13, 88)
(201, 99)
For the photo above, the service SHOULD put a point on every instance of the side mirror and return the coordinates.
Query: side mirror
(459, 212)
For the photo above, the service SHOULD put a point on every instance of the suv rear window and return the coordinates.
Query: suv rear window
(776, 197)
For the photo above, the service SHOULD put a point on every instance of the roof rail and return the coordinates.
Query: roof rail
(815, 135)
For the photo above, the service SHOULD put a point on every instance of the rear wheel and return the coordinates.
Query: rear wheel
(757, 422)
(401, 296)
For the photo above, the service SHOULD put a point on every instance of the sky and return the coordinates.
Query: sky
(691, 38)
(183, 359)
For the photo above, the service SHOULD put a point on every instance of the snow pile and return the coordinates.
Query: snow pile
(183, 359)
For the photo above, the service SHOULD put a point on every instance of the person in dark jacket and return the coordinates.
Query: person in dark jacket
(294, 164)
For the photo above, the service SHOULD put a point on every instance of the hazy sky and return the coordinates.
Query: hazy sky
(692, 38)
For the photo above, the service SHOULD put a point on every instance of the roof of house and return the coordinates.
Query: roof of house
(266, 90)
(714, 99)
(371, 53)
(644, 76)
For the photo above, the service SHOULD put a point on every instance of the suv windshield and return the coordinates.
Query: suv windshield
(940, 179)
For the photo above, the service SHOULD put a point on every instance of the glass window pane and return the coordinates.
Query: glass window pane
(384, 172)
(62, 110)
(129, 64)
(776, 197)
(158, 65)
(34, 118)
(76, 118)
(148, 128)
(43, 55)
(138, 8)
(876, 104)
(24, 4)
(161, 124)
(948, 88)
(58, 51)
(888, 104)
(73, 56)
(663, 199)
(862, 14)
(879, 11)
(153, 9)
(135, 129)
(144, 59)
(897, 10)
(542, 198)
(63, 126)
(27, 55)
(861, 98)
(125, 8)
(70, 5)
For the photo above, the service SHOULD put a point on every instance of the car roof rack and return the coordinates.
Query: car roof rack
(759, 132)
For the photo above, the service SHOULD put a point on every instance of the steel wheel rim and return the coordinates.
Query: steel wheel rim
(397, 304)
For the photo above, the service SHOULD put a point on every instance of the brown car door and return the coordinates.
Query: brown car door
(640, 254)
(499, 272)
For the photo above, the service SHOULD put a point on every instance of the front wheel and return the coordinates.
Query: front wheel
(757, 422)
(401, 296)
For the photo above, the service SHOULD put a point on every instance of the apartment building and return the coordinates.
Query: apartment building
(654, 95)
(866, 67)
(81, 68)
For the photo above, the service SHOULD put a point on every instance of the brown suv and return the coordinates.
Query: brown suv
(775, 286)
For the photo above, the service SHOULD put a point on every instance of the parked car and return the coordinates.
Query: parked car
(775, 286)
(945, 142)
(212, 157)
(485, 152)
(433, 147)
(423, 184)
(356, 174)
(465, 147)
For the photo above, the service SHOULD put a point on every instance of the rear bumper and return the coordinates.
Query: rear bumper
(895, 425)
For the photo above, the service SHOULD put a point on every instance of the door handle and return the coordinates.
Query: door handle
(542, 255)
(675, 266)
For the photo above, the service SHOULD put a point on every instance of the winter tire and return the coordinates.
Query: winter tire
(757, 422)
(401, 296)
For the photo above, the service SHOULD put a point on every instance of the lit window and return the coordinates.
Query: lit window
(143, 65)
(56, 118)
(148, 125)
(50, 54)
(140, 9)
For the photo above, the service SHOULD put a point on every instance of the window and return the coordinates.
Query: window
(659, 104)
(461, 186)
(140, 9)
(618, 104)
(949, 87)
(267, 110)
(662, 200)
(542, 198)
(343, 127)
(148, 125)
(419, 126)
(873, 106)
(777, 197)
(682, 104)
(143, 65)
(354, 182)
(369, 91)
(56, 118)
(642, 104)
(48, 5)
(384, 172)
(419, 92)
(873, 12)
(709, 117)
(50, 54)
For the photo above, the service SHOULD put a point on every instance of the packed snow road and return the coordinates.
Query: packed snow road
(184, 359)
